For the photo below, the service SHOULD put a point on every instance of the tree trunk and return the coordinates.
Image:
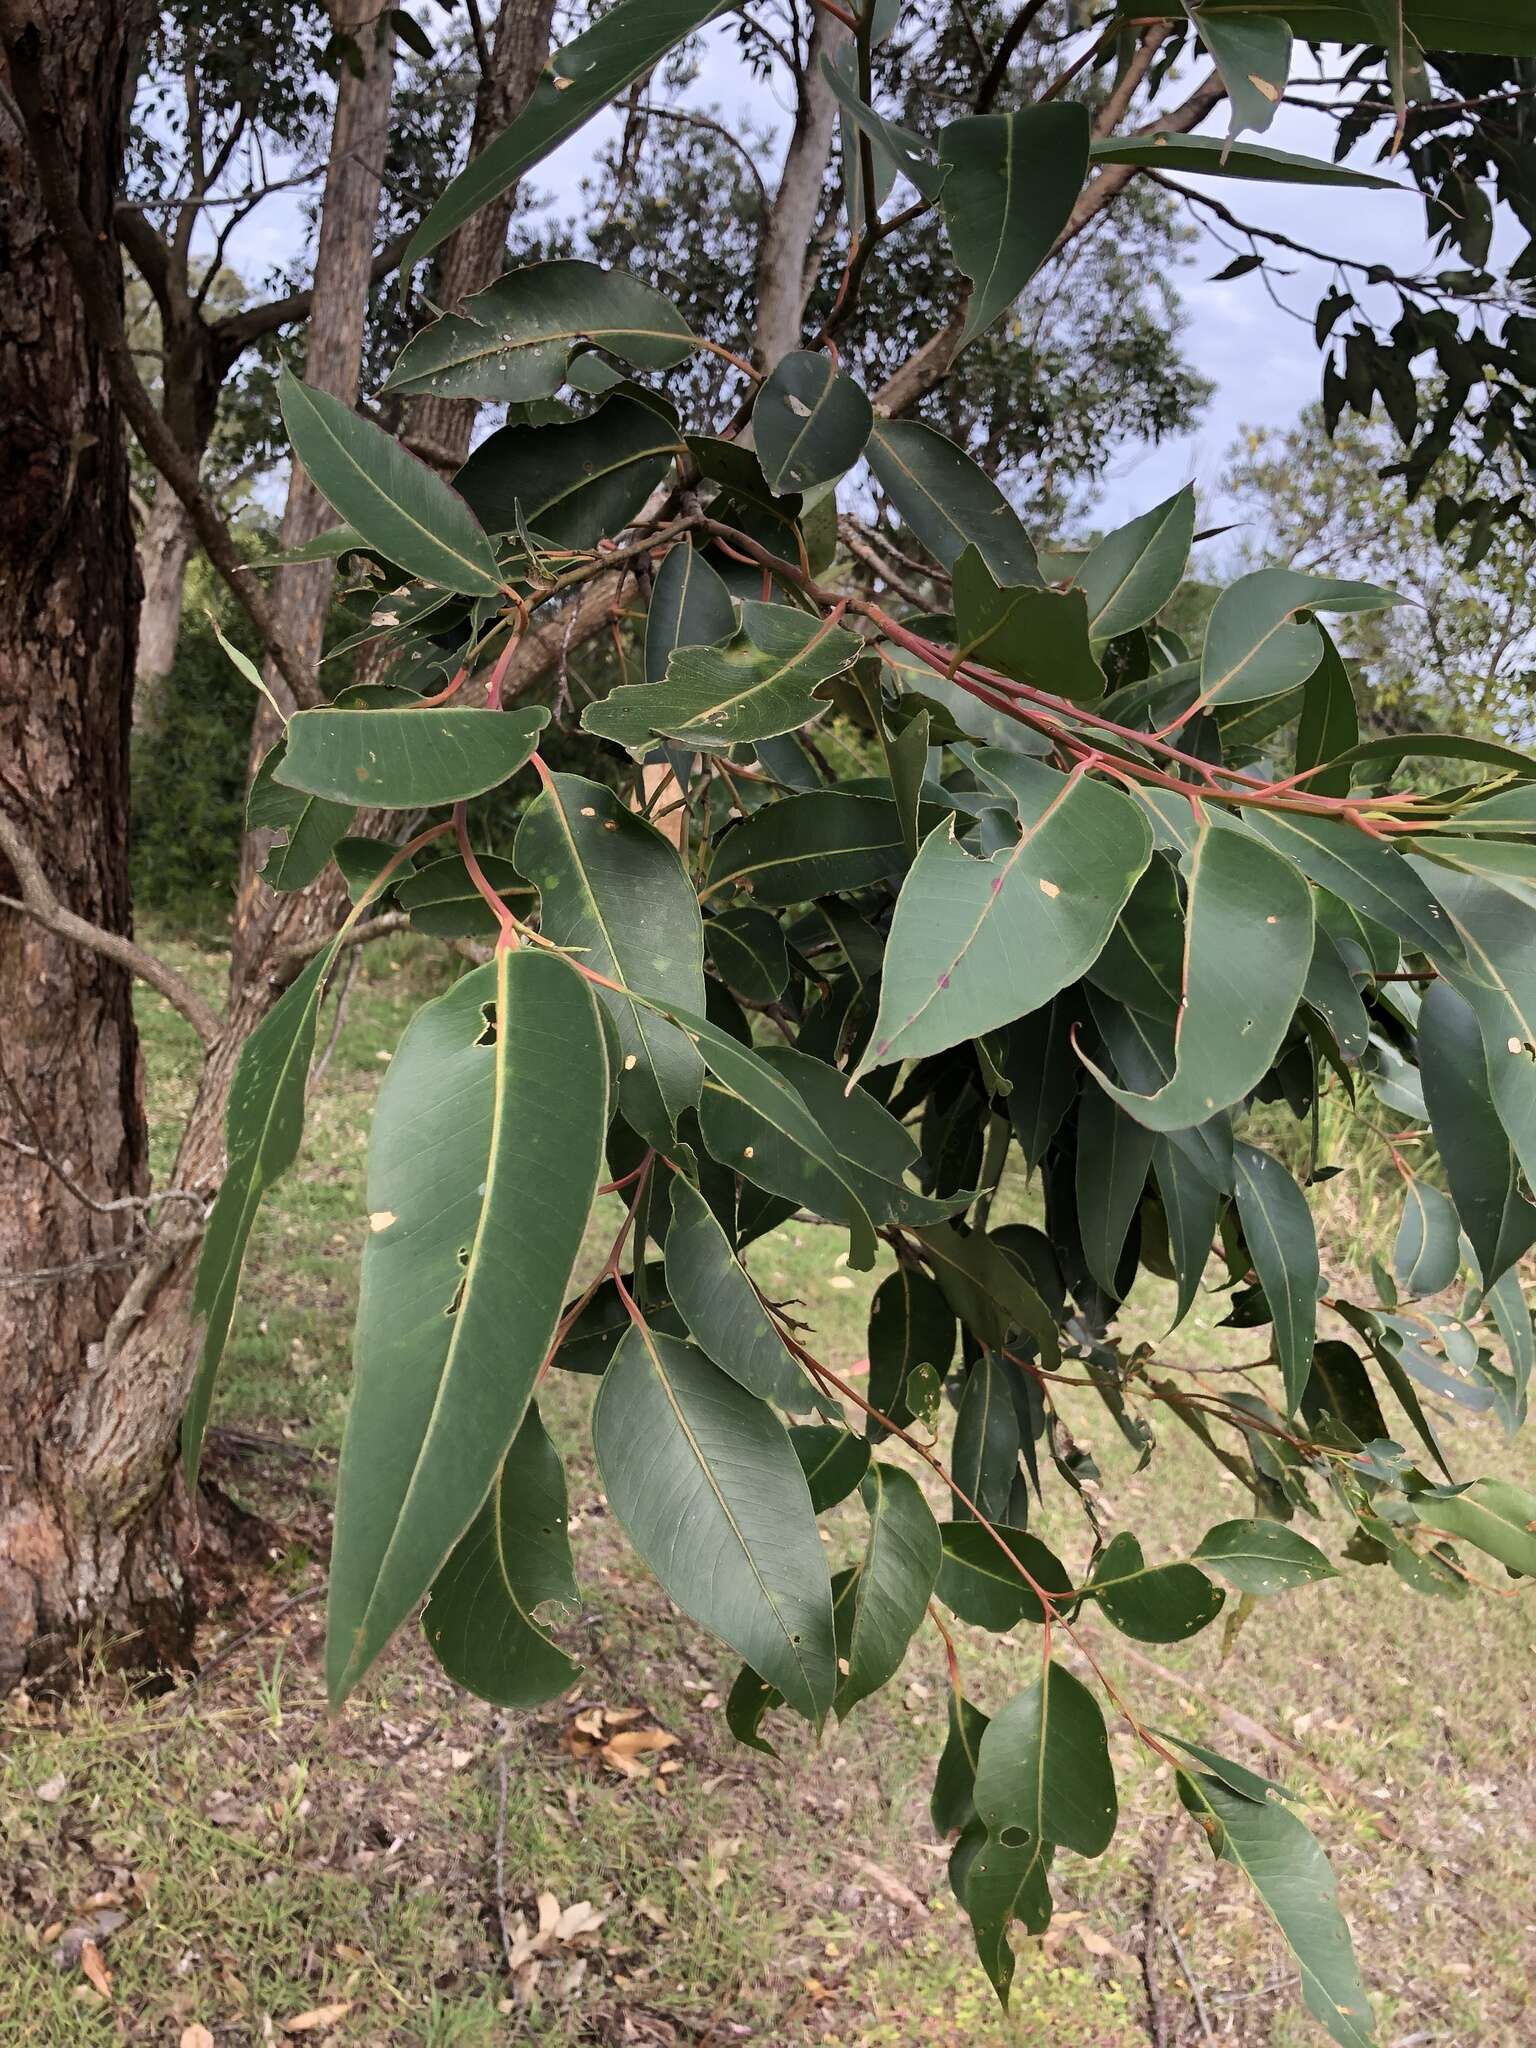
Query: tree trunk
(782, 284)
(439, 429)
(165, 548)
(88, 1517)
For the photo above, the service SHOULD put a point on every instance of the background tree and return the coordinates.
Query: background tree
(1459, 656)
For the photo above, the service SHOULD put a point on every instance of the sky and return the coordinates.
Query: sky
(1263, 361)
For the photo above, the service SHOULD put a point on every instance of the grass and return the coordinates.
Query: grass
(242, 1861)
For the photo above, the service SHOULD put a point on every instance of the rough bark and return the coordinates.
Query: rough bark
(88, 1516)
(439, 429)
(782, 283)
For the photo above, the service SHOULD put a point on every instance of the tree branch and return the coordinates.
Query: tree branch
(38, 901)
(98, 286)
(997, 71)
(238, 330)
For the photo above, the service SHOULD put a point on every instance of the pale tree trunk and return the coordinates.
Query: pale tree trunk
(782, 283)
(439, 429)
(165, 549)
(88, 1521)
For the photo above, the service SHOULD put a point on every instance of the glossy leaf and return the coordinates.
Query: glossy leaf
(1012, 182)
(1208, 156)
(1252, 53)
(904, 151)
(953, 1805)
(811, 844)
(810, 422)
(746, 949)
(1256, 647)
(752, 688)
(833, 1460)
(1000, 1884)
(896, 1581)
(442, 898)
(312, 825)
(1044, 1774)
(1370, 877)
(571, 482)
(613, 889)
(1492, 1515)
(397, 503)
(1133, 572)
(987, 1289)
(1247, 951)
(1113, 1155)
(511, 341)
(949, 501)
(1277, 1226)
(703, 1479)
(1152, 1603)
(1036, 636)
(263, 1125)
(985, 1455)
(489, 1131)
(690, 607)
(910, 1324)
(1292, 1876)
(409, 758)
(1263, 1557)
(980, 1581)
(515, 1555)
(717, 1301)
(1191, 1204)
(976, 943)
(1427, 1253)
(625, 43)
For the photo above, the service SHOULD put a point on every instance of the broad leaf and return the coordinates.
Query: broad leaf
(407, 759)
(611, 888)
(987, 1290)
(980, 1579)
(910, 1324)
(976, 943)
(397, 503)
(1044, 1774)
(833, 1460)
(263, 1125)
(1152, 1603)
(625, 43)
(1292, 1876)
(1036, 636)
(1371, 877)
(949, 502)
(489, 1132)
(810, 422)
(1012, 182)
(1253, 56)
(512, 339)
(719, 1304)
(1113, 1155)
(703, 1479)
(1255, 646)
(999, 1884)
(1427, 1254)
(1263, 1557)
(312, 824)
(752, 688)
(1134, 571)
(690, 607)
(442, 898)
(515, 1555)
(572, 482)
(1492, 1515)
(953, 1805)
(1247, 952)
(985, 1456)
(746, 949)
(816, 843)
(903, 151)
(896, 1581)
(1277, 1227)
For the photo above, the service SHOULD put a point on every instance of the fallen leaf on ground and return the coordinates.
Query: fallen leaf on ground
(196, 2036)
(96, 1972)
(52, 1790)
(317, 2019)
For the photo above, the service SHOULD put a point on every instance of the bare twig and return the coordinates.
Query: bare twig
(503, 1920)
(38, 901)
(260, 1628)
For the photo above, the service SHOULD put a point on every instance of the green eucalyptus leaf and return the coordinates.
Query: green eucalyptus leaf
(690, 607)
(613, 890)
(1152, 1603)
(511, 341)
(896, 1581)
(977, 943)
(1277, 1225)
(746, 949)
(705, 1483)
(313, 825)
(575, 482)
(489, 1131)
(833, 1460)
(625, 43)
(1208, 156)
(1492, 1515)
(407, 759)
(1262, 1557)
(1133, 572)
(1012, 181)
(985, 1456)
(815, 843)
(810, 422)
(443, 901)
(1252, 54)
(754, 687)
(949, 501)
(1044, 1774)
(1255, 646)
(1292, 1876)
(910, 1324)
(953, 1806)
(980, 1581)
(1427, 1253)
(399, 504)
(1036, 636)
(719, 1304)
(515, 1555)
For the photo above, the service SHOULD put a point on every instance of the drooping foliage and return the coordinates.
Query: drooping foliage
(1087, 914)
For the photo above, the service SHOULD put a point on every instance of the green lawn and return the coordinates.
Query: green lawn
(241, 1860)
